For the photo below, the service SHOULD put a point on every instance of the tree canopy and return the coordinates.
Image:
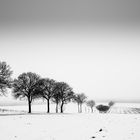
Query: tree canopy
(25, 86)
(65, 93)
(80, 99)
(91, 104)
(5, 77)
(111, 103)
(31, 86)
(46, 89)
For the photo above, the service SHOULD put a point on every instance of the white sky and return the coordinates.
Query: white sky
(104, 64)
(92, 45)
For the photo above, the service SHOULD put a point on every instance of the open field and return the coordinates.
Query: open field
(120, 123)
(118, 108)
(124, 110)
(70, 127)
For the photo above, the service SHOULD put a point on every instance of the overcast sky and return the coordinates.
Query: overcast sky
(93, 45)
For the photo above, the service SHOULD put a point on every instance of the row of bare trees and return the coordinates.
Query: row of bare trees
(80, 99)
(31, 86)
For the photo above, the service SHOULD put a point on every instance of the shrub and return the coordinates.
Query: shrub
(102, 108)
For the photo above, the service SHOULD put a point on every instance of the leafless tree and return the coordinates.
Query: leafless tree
(111, 103)
(25, 86)
(80, 99)
(57, 100)
(46, 89)
(5, 77)
(65, 94)
(91, 104)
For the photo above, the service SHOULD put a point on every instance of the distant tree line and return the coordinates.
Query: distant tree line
(31, 86)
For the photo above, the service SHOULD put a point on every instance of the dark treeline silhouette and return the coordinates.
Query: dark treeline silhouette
(31, 86)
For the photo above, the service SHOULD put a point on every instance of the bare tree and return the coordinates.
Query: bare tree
(91, 104)
(46, 89)
(25, 86)
(111, 103)
(5, 77)
(80, 99)
(57, 100)
(65, 93)
(76, 99)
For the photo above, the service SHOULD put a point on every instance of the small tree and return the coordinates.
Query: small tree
(77, 100)
(5, 77)
(80, 99)
(91, 104)
(25, 86)
(65, 93)
(46, 89)
(111, 103)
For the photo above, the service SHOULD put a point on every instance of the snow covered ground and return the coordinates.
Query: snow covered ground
(71, 126)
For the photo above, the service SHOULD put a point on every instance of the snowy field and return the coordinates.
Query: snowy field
(122, 122)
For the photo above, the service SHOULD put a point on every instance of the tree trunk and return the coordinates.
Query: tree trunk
(48, 105)
(61, 111)
(88, 110)
(29, 105)
(85, 110)
(56, 107)
(80, 108)
(92, 109)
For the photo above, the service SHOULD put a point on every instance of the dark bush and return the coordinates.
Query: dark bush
(102, 108)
